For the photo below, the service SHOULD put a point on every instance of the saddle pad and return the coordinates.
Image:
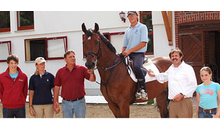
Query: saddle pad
(148, 66)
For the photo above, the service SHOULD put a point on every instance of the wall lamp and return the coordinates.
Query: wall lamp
(122, 16)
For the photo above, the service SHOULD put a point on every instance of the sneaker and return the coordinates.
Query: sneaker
(144, 95)
(138, 95)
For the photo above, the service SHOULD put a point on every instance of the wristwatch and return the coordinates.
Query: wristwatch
(182, 95)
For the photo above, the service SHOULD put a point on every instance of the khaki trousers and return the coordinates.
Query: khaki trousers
(181, 109)
(44, 111)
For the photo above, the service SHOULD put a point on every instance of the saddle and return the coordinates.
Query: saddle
(131, 64)
(147, 64)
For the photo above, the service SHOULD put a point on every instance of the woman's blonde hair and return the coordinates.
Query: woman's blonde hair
(36, 71)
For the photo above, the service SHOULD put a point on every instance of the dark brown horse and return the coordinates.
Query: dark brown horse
(116, 85)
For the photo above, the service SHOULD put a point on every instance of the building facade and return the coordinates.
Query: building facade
(197, 34)
(30, 34)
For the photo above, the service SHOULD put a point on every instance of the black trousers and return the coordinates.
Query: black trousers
(138, 59)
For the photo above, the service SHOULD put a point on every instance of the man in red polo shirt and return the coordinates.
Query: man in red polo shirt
(71, 78)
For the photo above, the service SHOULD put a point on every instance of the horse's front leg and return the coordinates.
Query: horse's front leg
(115, 109)
(113, 106)
(124, 109)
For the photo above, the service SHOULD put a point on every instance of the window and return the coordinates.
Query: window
(56, 47)
(5, 50)
(25, 20)
(116, 39)
(49, 48)
(5, 21)
(146, 18)
(35, 48)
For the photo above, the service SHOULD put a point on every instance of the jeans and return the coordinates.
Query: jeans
(70, 107)
(202, 114)
(11, 113)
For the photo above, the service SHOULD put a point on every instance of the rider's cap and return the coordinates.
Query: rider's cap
(132, 12)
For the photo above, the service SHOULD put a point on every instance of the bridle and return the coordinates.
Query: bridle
(90, 33)
(97, 54)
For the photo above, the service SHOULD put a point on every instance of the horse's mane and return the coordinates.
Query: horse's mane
(107, 42)
(103, 38)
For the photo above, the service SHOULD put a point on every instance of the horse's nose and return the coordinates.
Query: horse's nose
(90, 65)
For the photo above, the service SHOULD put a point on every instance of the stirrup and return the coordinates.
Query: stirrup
(138, 95)
(144, 95)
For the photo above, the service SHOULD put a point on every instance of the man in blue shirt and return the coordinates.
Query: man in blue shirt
(134, 46)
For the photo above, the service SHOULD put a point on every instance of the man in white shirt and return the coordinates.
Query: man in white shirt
(181, 85)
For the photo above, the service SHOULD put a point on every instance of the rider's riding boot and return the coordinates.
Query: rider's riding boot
(143, 90)
(142, 94)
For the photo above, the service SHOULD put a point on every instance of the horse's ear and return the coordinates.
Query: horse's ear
(84, 28)
(96, 28)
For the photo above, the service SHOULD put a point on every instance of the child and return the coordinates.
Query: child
(206, 94)
(13, 89)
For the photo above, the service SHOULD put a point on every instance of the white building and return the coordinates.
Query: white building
(53, 32)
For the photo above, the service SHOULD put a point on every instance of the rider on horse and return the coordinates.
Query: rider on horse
(134, 46)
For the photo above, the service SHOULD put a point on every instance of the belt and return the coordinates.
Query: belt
(72, 100)
(181, 99)
(208, 110)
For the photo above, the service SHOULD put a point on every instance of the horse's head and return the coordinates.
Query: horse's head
(91, 46)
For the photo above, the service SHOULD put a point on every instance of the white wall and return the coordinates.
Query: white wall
(161, 47)
(56, 21)
(60, 23)
(68, 23)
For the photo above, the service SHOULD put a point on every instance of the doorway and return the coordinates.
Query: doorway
(212, 52)
(200, 43)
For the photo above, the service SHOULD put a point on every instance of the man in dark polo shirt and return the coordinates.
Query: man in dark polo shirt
(71, 78)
